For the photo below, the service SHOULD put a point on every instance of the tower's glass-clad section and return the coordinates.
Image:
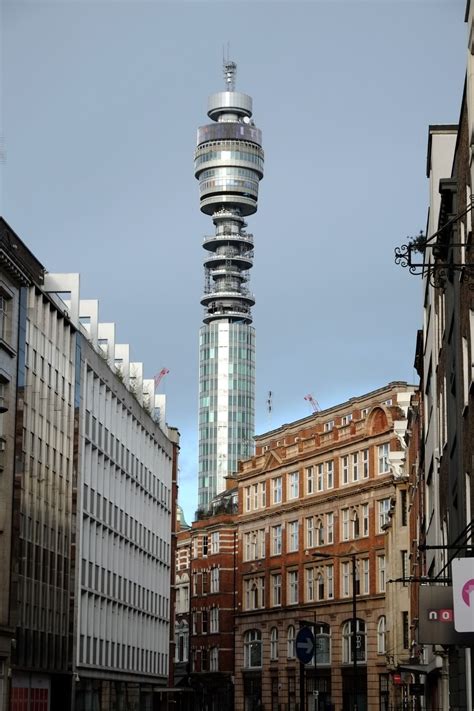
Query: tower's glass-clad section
(229, 165)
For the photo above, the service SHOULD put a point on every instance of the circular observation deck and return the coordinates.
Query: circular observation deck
(227, 298)
(229, 102)
(243, 316)
(213, 242)
(242, 262)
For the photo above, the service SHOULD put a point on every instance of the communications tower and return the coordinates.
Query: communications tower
(228, 163)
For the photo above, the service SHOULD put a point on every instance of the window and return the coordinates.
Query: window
(405, 630)
(247, 498)
(309, 584)
(403, 507)
(276, 540)
(383, 458)
(215, 542)
(291, 637)
(319, 533)
(330, 527)
(330, 581)
(365, 519)
(320, 586)
(322, 634)
(274, 643)
(345, 577)
(328, 426)
(204, 621)
(3, 317)
(254, 593)
(214, 620)
(381, 573)
(384, 511)
(346, 419)
(205, 545)
(355, 525)
(320, 477)
(253, 649)
(292, 536)
(355, 466)
(310, 532)
(405, 573)
(365, 463)
(345, 524)
(214, 580)
(275, 579)
(214, 659)
(365, 577)
(293, 485)
(381, 635)
(292, 587)
(255, 496)
(276, 490)
(309, 471)
(345, 469)
(263, 494)
(330, 474)
(347, 636)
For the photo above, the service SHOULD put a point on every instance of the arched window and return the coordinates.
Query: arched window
(291, 636)
(355, 525)
(320, 586)
(381, 629)
(319, 532)
(273, 643)
(347, 628)
(182, 642)
(253, 649)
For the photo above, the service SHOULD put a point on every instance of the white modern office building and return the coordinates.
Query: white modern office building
(229, 166)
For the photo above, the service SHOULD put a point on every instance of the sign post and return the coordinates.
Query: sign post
(463, 594)
(305, 652)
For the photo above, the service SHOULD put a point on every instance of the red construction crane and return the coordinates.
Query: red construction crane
(159, 377)
(314, 403)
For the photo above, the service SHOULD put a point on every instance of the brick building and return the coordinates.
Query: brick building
(317, 493)
(205, 605)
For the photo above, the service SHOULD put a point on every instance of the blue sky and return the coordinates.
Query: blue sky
(100, 105)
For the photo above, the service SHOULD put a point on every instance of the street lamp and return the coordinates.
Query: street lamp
(317, 554)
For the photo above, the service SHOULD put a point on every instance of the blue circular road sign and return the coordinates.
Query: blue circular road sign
(305, 645)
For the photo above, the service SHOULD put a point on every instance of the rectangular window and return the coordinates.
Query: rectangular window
(365, 577)
(345, 575)
(365, 463)
(276, 490)
(330, 580)
(255, 496)
(403, 507)
(381, 573)
(215, 542)
(355, 466)
(384, 509)
(276, 589)
(204, 545)
(365, 519)
(247, 498)
(292, 536)
(263, 494)
(320, 477)
(405, 573)
(293, 485)
(292, 587)
(309, 584)
(214, 580)
(330, 526)
(330, 474)
(406, 630)
(309, 471)
(383, 458)
(346, 419)
(345, 469)
(310, 532)
(276, 540)
(214, 620)
(328, 426)
(345, 524)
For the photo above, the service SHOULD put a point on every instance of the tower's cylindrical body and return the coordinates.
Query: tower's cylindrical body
(228, 163)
